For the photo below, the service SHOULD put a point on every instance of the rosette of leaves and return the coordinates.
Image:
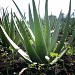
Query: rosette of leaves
(41, 44)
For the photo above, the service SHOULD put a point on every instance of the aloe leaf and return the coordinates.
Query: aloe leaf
(30, 31)
(18, 9)
(47, 27)
(17, 39)
(55, 36)
(65, 30)
(72, 37)
(22, 18)
(31, 52)
(20, 51)
(6, 20)
(3, 17)
(39, 40)
(31, 20)
(3, 40)
(5, 24)
(12, 28)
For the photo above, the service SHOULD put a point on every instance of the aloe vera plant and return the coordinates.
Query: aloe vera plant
(39, 46)
(8, 24)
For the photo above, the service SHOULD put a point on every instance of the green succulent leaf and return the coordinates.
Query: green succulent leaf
(12, 27)
(48, 35)
(32, 53)
(39, 40)
(72, 37)
(31, 20)
(55, 36)
(18, 9)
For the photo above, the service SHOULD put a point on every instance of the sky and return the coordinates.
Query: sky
(54, 6)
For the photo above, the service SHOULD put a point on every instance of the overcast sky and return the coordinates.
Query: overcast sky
(55, 6)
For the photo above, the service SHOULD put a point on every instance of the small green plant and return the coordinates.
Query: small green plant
(42, 44)
(8, 24)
